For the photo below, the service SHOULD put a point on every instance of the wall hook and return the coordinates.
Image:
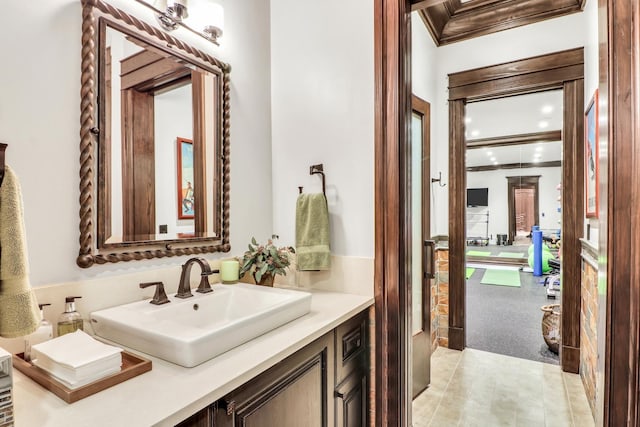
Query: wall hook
(438, 180)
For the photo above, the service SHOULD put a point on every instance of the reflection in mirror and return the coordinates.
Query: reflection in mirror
(149, 113)
(160, 143)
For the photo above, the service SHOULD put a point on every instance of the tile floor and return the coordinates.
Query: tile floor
(476, 388)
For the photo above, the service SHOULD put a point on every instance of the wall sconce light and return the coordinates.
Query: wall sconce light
(170, 13)
(202, 17)
(208, 17)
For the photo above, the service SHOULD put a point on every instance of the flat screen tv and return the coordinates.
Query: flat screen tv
(477, 197)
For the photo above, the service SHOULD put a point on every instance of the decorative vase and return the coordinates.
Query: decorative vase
(551, 326)
(266, 280)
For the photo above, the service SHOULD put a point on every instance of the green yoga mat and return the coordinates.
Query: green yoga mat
(478, 253)
(470, 272)
(501, 278)
(511, 255)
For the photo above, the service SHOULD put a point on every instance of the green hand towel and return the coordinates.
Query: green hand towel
(19, 314)
(312, 232)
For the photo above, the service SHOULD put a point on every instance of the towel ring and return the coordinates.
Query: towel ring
(313, 170)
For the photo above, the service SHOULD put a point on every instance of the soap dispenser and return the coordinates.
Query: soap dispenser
(42, 334)
(70, 320)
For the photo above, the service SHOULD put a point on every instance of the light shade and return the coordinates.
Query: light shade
(206, 16)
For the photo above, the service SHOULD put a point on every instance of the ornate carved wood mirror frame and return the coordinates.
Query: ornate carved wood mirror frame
(94, 14)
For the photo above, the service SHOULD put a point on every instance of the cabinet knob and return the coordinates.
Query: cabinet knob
(230, 406)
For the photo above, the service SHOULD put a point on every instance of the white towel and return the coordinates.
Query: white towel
(19, 313)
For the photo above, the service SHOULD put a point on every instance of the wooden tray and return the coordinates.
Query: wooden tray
(132, 366)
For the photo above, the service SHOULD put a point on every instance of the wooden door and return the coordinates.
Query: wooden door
(421, 253)
(527, 213)
(525, 210)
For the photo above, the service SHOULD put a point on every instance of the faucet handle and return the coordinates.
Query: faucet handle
(160, 296)
(204, 286)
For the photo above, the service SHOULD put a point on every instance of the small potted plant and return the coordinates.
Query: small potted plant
(265, 261)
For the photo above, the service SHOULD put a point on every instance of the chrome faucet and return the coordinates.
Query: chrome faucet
(184, 287)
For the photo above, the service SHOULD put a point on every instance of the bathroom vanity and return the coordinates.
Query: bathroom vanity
(314, 370)
(323, 384)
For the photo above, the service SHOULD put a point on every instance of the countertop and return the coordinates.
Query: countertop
(170, 393)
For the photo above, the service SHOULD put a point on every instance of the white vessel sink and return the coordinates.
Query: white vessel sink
(192, 330)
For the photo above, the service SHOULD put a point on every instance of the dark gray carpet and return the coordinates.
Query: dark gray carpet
(507, 320)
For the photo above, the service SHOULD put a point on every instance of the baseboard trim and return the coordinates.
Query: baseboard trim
(570, 359)
(456, 338)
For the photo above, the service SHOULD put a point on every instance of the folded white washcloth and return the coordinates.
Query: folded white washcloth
(81, 374)
(76, 356)
(73, 384)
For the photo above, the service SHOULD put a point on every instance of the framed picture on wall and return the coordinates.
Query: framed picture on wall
(185, 178)
(591, 172)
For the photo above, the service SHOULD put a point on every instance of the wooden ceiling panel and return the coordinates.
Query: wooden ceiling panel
(452, 21)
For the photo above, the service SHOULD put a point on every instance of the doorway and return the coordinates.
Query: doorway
(513, 164)
(552, 71)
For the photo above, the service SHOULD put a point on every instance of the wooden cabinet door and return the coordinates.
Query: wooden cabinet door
(294, 393)
(352, 354)
(351, 400)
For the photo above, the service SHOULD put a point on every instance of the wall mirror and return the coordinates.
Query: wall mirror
(154, 165)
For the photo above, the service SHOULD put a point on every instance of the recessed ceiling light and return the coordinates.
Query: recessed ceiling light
(547, 109)
(493, 159)
(467, 120)
(475, 132)
(489, 153)
(536, 159)
(539, 148)
(543, 124)
(495, 163)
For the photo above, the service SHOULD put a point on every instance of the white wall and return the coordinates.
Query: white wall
(424, 85)
(40, 116)
(323, 112)
(497, 183)
(523, 42)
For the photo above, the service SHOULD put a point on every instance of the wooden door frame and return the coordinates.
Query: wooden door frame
(561, 70)
(619, 218)
(392, 59)
(518, 182)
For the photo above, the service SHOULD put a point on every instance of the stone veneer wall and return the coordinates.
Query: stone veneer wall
(588, 332)
(440, 301)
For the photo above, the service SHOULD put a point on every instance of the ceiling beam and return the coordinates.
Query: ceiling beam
(522, 139)
(460, 21)
(423, 4)
(552, 164)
